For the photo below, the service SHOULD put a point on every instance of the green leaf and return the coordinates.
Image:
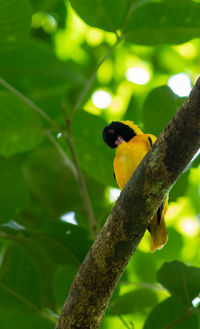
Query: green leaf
(66, 238)
(181, 280)
(27, 69)
(20, 127)
(57, 8)
(171, 22)
(142, 262)
(108, 16)
(158, 109)
(15, 19)
(173, 248)
(171, 314)
(23, 320)
(62, 282)
(93, 154)
(13, 193)
(180, 187)
(19, 280)
(138, 300)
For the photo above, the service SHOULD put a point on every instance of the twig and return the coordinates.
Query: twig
(179, 319)
(80, 180)
(116, 312)
(67, 161)
(27, 101)
(82, 95)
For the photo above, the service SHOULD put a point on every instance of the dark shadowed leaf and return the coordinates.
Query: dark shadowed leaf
(19, 279)
(62, 282)
(171, 314)
(13, 192)
(22, 320)
(181, 280)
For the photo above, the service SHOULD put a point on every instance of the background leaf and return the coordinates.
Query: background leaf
(153, 23)
(170, 313)
(181, 280)
(21, 128)
(159, 108)
(108, 14)
(13, 192)
(15, 19)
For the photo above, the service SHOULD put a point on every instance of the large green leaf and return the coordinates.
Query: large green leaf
(181, 280)
(36, 72)
(172, 22)
(61, 283)
(108, 16)
(94, 156)
(20, 127)
(19, 279)
(159, 108)
(21, 320)
(138, 300)
(13, 192)
(15, 19)
(171, 314)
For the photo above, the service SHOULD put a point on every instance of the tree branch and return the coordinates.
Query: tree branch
(131, 215)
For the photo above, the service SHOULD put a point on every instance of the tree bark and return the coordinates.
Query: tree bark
(105, 262)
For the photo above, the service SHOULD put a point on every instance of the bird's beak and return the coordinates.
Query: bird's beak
(119, 140)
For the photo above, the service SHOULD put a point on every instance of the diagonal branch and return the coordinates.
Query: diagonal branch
(103, 266)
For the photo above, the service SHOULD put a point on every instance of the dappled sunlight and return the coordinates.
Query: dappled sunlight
(189, 226)
(138, 75)
(180, 84)
(101, 99)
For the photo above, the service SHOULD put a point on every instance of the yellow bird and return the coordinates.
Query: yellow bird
(131, 146)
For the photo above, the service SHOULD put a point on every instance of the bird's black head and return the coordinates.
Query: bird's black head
(117, 132)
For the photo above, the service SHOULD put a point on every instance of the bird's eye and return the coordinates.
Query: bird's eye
(111, 131)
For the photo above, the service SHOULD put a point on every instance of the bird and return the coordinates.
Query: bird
(131, 146)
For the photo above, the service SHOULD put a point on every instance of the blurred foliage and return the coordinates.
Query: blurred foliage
(49, 52)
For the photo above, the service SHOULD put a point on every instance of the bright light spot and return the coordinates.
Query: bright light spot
(113, 194)
(137, 75)
(101, 99)
(14, 225)
(69, 218)
(189, 227)
(180, 84)
(59, 135)
(196, 301)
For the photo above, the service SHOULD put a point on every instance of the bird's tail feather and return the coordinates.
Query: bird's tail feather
(159, 234)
